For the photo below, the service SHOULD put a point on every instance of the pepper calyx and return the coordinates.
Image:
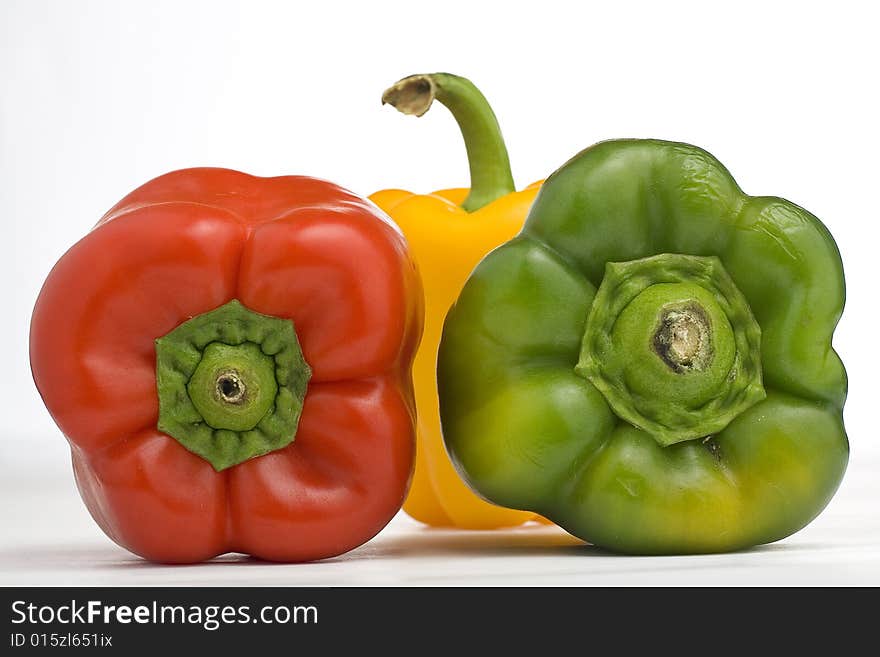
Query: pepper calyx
(672, 345)
(231, 384)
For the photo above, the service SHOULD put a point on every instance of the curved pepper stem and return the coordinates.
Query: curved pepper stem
(487, 155)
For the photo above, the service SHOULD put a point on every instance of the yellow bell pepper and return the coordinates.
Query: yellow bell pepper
(449, 232)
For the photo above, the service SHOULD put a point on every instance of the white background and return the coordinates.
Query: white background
(98, 97)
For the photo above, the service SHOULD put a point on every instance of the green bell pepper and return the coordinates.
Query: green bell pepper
(649, 362)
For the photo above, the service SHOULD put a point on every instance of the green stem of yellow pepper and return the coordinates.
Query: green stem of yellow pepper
(487, 155)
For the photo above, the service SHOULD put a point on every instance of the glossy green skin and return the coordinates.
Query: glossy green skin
(527, 432)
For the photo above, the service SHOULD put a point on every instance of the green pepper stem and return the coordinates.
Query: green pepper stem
(487, 155)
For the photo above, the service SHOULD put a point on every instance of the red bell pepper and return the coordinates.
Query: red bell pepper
(201, 419)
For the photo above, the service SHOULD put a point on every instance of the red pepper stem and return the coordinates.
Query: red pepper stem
(231, 384)
(487, 155)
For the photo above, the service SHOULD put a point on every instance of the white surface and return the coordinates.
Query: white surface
(100, 96)
(49, 539)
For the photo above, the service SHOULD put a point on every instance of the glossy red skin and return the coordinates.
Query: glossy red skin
(292, 247)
